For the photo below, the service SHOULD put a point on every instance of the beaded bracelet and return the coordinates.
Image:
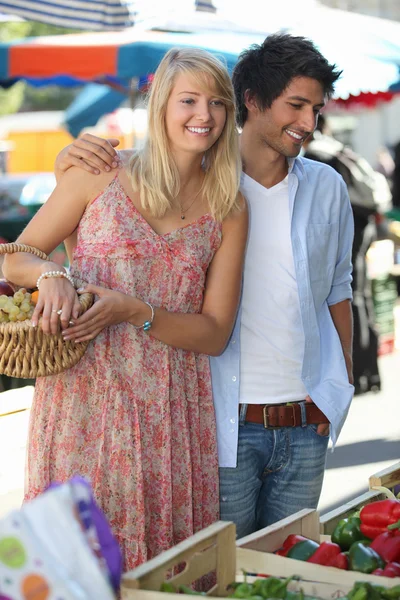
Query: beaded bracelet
(147, 324)
(49, 274)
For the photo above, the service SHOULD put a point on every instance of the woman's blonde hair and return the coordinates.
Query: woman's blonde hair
(153, 170)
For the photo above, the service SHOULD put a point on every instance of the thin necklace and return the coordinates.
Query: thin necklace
(183, 211)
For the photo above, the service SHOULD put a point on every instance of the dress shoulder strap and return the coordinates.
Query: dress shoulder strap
(125, 156)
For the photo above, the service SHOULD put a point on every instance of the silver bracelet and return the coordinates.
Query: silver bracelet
(49, 274)
(147, 324)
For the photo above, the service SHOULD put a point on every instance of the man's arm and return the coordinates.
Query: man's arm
(339, 299)
(342, 317)
(342, 278)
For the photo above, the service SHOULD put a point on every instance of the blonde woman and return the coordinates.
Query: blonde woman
(161, 245)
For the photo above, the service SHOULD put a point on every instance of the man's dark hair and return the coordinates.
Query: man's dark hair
(267, 69)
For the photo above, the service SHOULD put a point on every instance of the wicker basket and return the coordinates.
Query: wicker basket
(25, 351)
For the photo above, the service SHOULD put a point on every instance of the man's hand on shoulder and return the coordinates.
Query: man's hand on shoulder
(90, 153)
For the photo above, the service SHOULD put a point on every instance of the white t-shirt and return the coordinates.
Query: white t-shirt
(272, 336)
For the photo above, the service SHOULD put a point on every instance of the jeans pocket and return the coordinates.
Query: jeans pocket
(314, 427)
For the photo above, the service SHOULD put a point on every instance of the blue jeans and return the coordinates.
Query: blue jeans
(279, 471)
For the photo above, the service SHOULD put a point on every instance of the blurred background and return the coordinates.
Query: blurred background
(65, 71)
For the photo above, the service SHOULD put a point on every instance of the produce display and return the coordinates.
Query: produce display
(367, 541)
(352, 547)
(273, 587)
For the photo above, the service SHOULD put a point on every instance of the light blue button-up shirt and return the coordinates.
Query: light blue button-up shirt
(322, 236)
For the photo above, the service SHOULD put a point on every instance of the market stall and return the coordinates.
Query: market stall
(270, 555)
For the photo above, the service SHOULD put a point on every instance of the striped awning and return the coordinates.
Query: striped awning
(93, 15)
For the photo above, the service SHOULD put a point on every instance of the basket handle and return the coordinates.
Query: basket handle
(12, 248)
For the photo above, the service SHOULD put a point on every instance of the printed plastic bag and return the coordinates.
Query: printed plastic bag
(50, 550)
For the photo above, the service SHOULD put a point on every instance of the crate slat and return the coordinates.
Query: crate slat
(389, 477)
(305, 522)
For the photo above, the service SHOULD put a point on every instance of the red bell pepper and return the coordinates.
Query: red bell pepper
(340, 561)
(325, 554)
(290, 541)
(376, 517)
(387, 545)
(392, 569)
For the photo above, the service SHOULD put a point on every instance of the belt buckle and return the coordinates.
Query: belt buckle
(265, 416)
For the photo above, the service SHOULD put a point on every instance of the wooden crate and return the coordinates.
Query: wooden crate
(389, 477)
(214, 549)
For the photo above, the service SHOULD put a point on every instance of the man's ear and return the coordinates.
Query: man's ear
(250, 102)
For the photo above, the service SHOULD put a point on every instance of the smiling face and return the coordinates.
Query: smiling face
(195, 115)
(292, 117)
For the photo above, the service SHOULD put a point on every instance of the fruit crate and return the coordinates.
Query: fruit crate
(389, 478)
(214, 549)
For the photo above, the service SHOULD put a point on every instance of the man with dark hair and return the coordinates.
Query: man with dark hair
(267, 70)
(285, 376)
(288, 365)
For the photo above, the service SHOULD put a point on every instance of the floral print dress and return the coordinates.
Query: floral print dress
(135, 416)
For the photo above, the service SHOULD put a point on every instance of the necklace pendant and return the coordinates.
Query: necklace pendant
(183, 217)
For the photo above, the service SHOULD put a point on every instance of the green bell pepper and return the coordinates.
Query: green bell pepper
(346, 532)
(303, 550)
(364, 559)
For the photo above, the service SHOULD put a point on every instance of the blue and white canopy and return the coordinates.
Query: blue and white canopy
(93, 15)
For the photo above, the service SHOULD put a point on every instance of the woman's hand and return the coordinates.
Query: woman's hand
(57, 302)
(89, 152)
(111, 308)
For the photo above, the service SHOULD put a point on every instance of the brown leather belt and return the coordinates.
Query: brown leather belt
(284, 415)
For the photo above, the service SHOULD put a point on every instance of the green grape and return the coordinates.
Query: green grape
(25, 307)
(17, 307)
(14, 310)
(19, 297)
(6, 307)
